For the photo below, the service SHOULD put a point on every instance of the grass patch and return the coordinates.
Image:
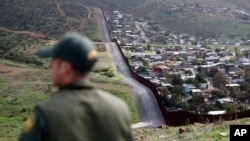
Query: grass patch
(13, 64)
(21, 91)
(16, 103)
(218, 131)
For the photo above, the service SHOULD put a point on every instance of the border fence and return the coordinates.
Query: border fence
(178, 117)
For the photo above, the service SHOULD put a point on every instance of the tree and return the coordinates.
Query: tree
(247, 74)
(196, 102)
(141, 69)
(198, 99)
(148, 46)
(233, 92)
(145, 63)
(165, 90)
(219, 80)
(190, 81)
(217, 50)
(230, 108)
(238, 54)
(218, 93)
(188, 72)
(196, 62)
(244, 86)
(199, 69)
(197, 83)
(181, 104)
(177, 80)
(200, 78)
(213, 71)
(204, 56)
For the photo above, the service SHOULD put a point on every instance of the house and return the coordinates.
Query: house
(194, 91)
(244, 65)
(243, 60)
(216, 112)
(225, 100)
(176, 54)
(155, 81)
(137, 55)
(229, 68)
(188, 87)
(160, 70)
(212, 59)
(232, 85)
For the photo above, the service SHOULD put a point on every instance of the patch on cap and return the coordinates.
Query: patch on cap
(92, 54)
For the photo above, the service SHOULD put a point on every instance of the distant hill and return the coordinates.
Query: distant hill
(26, 25)
(48, 17)
(32, 23)
(206, 18)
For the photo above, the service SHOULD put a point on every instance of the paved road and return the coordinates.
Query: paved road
(147, 107)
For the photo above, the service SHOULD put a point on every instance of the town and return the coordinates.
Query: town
(190, 73)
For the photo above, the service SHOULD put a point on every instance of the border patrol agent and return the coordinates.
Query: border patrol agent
(77, 111)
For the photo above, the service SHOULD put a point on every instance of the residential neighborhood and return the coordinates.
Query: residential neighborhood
(190, 73)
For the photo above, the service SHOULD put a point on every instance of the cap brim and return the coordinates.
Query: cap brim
(45, 53)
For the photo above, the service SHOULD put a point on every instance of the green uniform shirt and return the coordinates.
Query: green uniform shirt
(78, 112)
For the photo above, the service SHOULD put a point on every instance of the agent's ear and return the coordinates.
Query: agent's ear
(66, 67)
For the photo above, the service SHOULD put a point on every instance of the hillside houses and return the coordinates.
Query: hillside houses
(183, 56)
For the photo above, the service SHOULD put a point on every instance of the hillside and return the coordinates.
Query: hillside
(28, 25)
(23, 86)
(210, 18)
(46, 17)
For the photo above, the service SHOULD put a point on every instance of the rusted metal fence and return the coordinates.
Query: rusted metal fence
(178, 118)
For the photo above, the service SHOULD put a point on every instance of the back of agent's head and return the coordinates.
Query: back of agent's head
(74, 48)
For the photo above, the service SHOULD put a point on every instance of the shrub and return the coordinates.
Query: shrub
(109, 73)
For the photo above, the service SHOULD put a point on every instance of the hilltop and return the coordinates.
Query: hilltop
(210, 18)
(29, 24)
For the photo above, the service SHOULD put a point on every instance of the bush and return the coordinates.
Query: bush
(97, 70)
(230, 108)
(109, 73)
(105, 71)
(218, 93)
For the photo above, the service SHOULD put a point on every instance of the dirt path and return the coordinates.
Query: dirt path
(33, 34)
(62, 13)
(89, 14)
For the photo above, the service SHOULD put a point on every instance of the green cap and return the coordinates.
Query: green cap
(74, 48)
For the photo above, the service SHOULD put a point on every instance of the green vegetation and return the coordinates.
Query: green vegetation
(50, 19)
(22, 86)
(24, 80)
(20, 47)
(185, 19)
(17, 100)
(31, 24)
(199, 132)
